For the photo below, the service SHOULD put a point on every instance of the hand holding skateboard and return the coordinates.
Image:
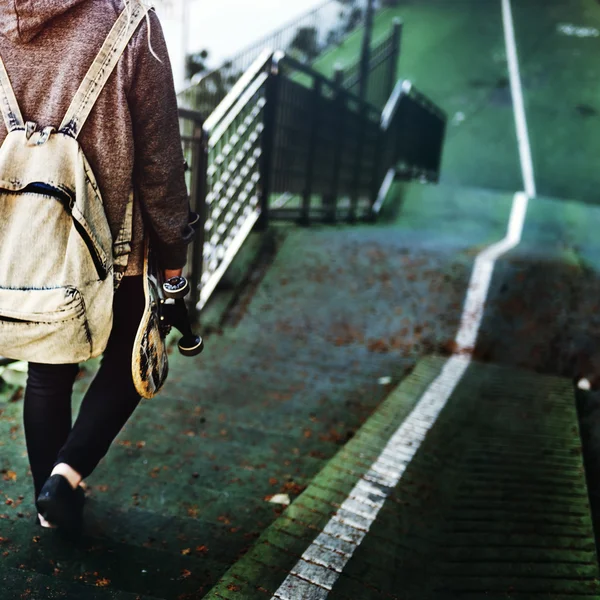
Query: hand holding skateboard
(164, 309)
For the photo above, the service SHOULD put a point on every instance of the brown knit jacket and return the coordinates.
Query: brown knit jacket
(132, 133)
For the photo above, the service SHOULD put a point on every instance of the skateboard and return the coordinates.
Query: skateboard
(165, 308)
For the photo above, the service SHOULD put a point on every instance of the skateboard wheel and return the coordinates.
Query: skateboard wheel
(176, 287)
(190, 346)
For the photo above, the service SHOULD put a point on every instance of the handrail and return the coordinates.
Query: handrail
(194, 143)
(252, 151)
(198, 78)
(389, 110)
(236, 109)
(192, 115)
(237, 91)
(338, 88)
(404, 87)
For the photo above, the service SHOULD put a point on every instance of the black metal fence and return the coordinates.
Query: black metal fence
(416, 128)
(324, 147)
(194, 150)
(287, 143)
(305, 39)
(383, 69)
(412, 135)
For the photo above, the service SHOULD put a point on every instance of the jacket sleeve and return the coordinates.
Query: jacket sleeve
(159, 175)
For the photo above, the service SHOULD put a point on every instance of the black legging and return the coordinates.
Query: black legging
(106, 407)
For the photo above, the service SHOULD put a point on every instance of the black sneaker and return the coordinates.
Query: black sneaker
(62, 505)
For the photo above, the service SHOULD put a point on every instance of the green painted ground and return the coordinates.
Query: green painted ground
(185, 491)
(324, 332)
(560, 79)
(455, 54)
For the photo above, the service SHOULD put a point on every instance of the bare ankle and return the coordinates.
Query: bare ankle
(72, 476)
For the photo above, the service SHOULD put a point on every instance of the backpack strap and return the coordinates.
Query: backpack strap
(102, 68)
(122, 244)
(8, 103)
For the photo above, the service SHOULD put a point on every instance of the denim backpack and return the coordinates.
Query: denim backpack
(59, 266)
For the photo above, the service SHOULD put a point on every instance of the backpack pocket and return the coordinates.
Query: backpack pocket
(44, 325)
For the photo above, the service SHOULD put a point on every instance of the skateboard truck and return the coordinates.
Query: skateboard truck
(176, 315)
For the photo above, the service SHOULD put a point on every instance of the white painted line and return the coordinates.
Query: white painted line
(348, 527)
(331, 543)
(482, 276)
(346, 533)
(294, 588)
(312, 577)
(321, 576)
(330, 559)
(580, 32)
(518, 103)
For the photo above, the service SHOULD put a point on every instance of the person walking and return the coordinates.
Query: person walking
(126, 124)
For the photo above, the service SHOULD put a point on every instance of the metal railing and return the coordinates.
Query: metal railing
(287, 143)
(305, 38)
(383, 69)
(416, 132)
(412, 136)
(280, 148)
(234, 175)
(194, 150)
(324, 147)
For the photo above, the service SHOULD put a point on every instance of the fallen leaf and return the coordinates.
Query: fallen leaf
(9, 476)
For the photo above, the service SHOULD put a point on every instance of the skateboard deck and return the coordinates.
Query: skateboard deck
(150, 365)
